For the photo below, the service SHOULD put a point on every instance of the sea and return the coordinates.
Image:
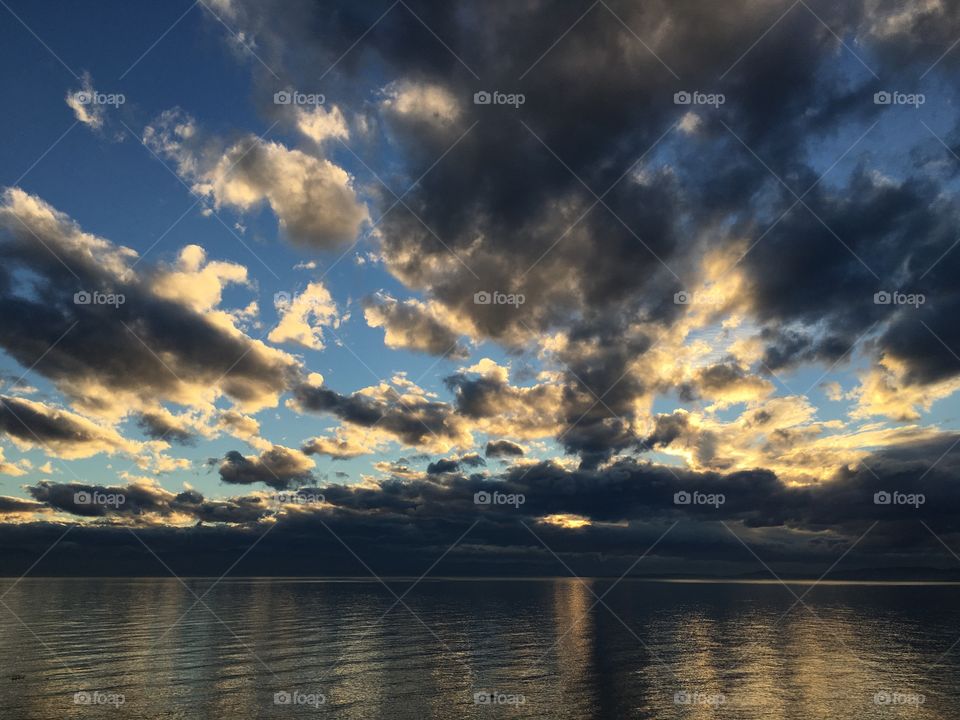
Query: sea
(399, 648)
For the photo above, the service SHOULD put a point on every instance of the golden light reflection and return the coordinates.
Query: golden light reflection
(566, 520)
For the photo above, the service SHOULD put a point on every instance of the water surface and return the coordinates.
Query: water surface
(543, 648)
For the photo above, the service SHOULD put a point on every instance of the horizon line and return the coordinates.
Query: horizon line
(476, 578)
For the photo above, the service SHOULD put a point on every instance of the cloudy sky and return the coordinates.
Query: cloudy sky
(673, 286)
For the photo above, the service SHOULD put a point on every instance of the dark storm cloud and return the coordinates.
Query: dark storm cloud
(101, 500)
(278, 467)
(667, 428)
(235, 510)
(477, 397)
(776, 87)
(628, 491)
(442, 466)
(35, 423)
(449, 465)
(60, 432)
(413, 422)
(599, 398)
(401, 524)
(472, 460)
(145, 502)
(513, 198)
(146, 345)
(489, 395)
(721, 376)
(409, 325)
(786, 521)
(17, 505)
(158, 427)
(895, 230)
(501, 199)
(503, 449)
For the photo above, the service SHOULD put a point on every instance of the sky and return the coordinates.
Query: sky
(514, 288)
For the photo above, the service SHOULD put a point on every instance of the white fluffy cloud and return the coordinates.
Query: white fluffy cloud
(432, 104)
(304, 316)
(313, 198)
(321, 124)
(84, 110)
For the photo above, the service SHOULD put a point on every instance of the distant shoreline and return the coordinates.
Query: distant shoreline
(370, 579)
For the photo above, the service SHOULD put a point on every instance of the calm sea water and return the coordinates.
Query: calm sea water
(272, 648)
